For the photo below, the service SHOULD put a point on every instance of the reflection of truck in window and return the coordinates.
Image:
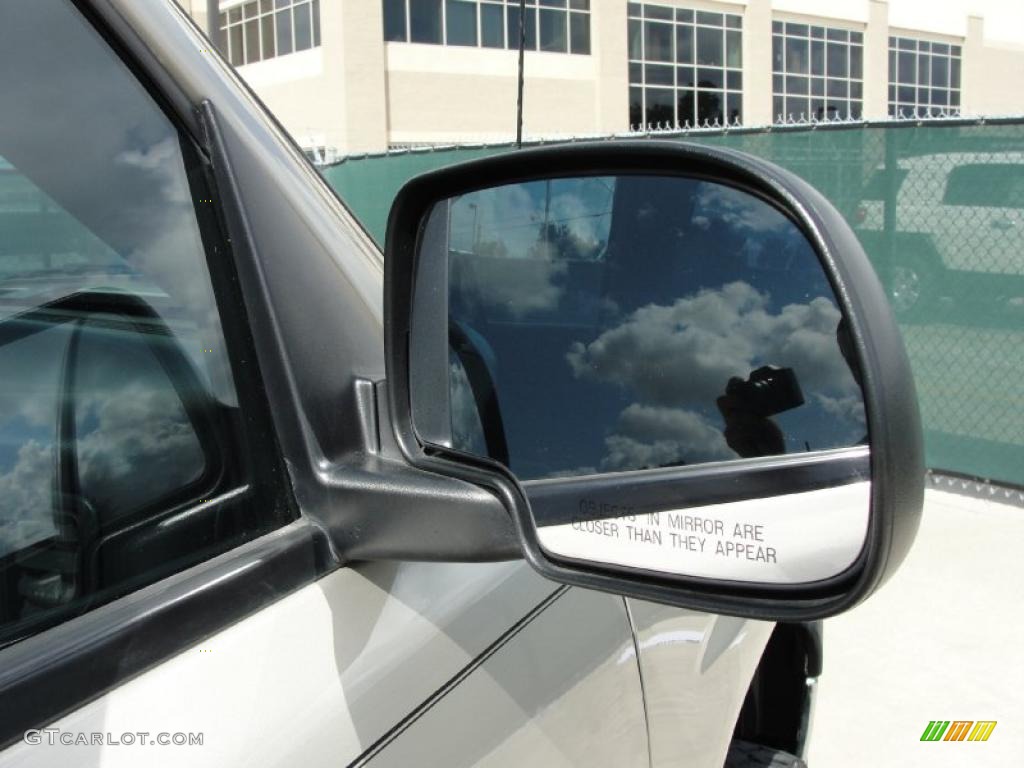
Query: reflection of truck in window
(958, 228)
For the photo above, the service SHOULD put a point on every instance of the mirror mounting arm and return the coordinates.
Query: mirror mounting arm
(372, 505)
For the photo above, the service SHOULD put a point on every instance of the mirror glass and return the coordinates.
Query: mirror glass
(601, 326)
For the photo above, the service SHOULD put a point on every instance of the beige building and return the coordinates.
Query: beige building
(354, 76)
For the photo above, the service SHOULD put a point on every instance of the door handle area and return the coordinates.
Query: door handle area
(1003, 223)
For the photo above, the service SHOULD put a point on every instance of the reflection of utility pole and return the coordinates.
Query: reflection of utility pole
(547, 213)
(892, 185)
(476, 227)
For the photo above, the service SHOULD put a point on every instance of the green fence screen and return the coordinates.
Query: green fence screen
(938, 206)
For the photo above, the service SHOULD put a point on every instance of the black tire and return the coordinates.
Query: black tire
(743, 754)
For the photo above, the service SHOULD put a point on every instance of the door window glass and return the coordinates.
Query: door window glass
(121, 445)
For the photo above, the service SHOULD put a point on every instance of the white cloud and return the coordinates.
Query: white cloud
(849, 408)
(139, 445)
(652, 436)
(740, 210)
(26, 502)
(685, 353)
(142, 447)
(675, 361)
(162, 160)
(519, 286)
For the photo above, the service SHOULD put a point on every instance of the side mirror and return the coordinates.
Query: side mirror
(673, 365)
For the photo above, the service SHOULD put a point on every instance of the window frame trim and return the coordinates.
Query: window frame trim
(917, 108)
(825, 77)
(225, 26)
(695, 92)
(505, 6)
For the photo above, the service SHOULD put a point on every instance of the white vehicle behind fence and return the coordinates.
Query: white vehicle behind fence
(958, 228)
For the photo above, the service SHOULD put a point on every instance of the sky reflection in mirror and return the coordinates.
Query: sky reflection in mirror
(621, 319)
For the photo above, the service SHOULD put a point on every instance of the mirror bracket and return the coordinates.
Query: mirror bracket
(373, 505)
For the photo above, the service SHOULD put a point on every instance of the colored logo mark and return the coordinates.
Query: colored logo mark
(958, 730)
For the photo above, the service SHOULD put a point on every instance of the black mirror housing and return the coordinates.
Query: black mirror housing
(419, 332)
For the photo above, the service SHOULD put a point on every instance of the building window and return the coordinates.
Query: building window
(263, 29)
(558, 26)
(817, 72)
(685, 67)
(924, 78)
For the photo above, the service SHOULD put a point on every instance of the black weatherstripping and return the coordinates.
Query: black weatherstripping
(896, 458)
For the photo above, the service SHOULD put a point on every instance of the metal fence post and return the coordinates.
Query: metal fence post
(892, 185)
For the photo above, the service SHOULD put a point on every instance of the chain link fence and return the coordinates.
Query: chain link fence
(939, 208)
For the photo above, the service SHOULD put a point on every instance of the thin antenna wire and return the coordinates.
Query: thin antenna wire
(519, 98)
